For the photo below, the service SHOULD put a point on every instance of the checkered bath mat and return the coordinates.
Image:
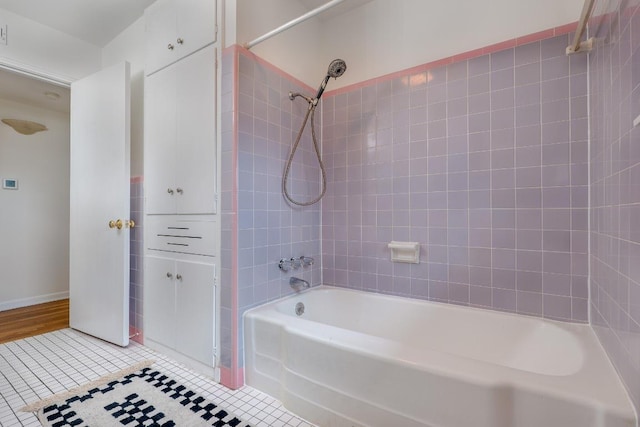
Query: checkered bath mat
(143, 398)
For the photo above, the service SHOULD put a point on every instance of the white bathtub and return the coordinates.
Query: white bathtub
(362, 359)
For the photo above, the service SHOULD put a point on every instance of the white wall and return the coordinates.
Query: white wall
(34, 220)
(296, 50)
(42, 49)
(129, 46)
(384, 36)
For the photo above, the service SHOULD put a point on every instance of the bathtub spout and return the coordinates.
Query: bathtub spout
(295, 282)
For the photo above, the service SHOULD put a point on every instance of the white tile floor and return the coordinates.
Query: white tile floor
(37, 367)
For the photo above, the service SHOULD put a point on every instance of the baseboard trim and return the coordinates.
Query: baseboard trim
(25, 302)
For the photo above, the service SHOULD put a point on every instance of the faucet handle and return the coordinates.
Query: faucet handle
(306, 260)
(296, 263)
(284, 264)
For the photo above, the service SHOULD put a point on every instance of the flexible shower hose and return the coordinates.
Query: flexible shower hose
(310, 112)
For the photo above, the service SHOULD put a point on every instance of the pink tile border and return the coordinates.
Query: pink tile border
(508, 44)
(243, 51)
(234, 377)
(136, 179)
(541, 35)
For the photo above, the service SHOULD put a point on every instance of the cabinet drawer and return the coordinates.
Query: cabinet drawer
(172, 234)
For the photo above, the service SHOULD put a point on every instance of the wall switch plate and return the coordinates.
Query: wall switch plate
(3, 34)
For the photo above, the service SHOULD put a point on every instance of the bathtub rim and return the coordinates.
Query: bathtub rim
(521, 379)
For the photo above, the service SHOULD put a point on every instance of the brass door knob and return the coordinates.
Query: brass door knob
(116, 224)
(119, 224)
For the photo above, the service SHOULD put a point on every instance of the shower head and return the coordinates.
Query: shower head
(336, 69)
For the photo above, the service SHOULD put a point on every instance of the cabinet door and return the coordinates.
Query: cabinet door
(195, 310)
(177, 28)
(196, 25)
(159, 300)
(160, 31)
(160, 142)
(196, 130)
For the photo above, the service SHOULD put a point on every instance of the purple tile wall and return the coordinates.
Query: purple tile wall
(136, 255)
(484, 162)
(615, 187)
(267, 227)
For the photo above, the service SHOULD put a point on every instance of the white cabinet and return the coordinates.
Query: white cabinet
(179, 306)
(177, 28)
(181, 228)
(180, 136)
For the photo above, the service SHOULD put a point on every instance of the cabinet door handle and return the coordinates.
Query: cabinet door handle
(170, 190)
(180, 40)
(179, 190)
(170, 46)
(169, 275)
(178, 276)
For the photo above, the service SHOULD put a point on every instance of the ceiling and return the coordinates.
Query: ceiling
(99, 21)
(94, 21)
(25, 90)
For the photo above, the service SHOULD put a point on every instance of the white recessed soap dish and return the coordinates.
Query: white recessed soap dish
(405, 252)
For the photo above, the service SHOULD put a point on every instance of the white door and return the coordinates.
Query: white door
(99, 172)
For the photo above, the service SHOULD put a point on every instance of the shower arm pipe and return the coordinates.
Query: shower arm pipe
(292, 23)
(577, 45)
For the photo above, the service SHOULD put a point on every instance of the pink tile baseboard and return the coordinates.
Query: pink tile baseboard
(136, 335)
(507, 44)
(232, 378)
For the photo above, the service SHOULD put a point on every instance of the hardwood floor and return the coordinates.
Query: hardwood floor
(33, 320)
